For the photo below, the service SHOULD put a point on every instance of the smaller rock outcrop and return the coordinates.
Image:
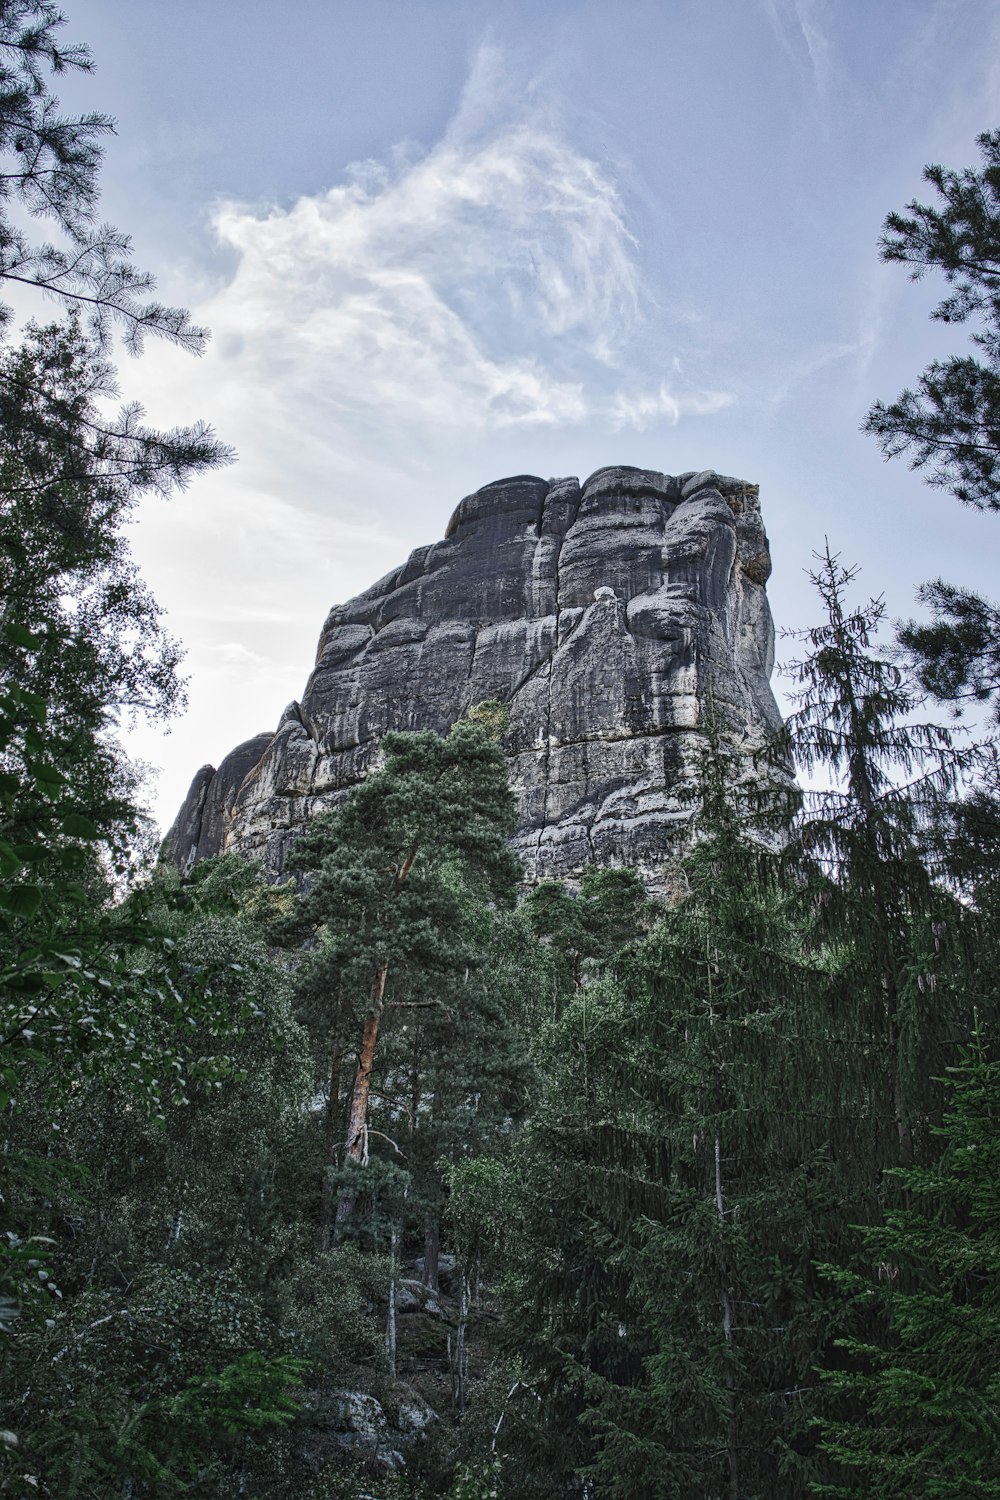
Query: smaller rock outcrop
(365, 1431)
(199, 829)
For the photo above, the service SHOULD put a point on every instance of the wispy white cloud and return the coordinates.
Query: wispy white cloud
(798, 26)
(787, 380)
(489, 282)
(641, 408)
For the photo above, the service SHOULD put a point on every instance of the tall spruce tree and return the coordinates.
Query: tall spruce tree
(909, 960)
(674, 1190)
(916, 1416)
(887, 777)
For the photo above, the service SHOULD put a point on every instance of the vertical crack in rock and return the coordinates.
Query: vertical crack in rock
(602, 613)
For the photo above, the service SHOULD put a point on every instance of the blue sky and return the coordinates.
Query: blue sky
(441, 242)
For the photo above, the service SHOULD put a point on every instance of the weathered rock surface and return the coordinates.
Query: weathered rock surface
(365, 1431)
(201, 827)
(604, 615)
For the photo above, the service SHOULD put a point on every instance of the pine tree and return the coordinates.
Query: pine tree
(949, 427)
(52, 171)
(387, 869)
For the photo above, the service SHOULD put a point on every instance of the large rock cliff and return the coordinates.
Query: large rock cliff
(604, 615)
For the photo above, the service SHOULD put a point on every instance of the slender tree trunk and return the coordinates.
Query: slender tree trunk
(432, 1234)
(904, 1136)
(326, 1207)
(390, 1323)
(356, 1140)
(458, 1367)
(727, 1333)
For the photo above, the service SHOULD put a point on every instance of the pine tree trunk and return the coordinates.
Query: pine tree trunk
(356, 1141)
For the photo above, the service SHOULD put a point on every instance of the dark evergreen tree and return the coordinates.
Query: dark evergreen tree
(965, 841)
(916, 1416)
(887, 778)
(588, 927)
(80, 646)
(456, 1074)
(910, 961)
(669, 1198)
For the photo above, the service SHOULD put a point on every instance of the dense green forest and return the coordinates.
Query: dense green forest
(395, 1181)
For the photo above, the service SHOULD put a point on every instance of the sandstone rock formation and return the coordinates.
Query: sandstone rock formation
(604, 615)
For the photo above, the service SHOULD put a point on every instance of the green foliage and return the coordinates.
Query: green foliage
(81, 644)
(587, 929)
(949, 425)
(855, 721)
(723, 1096)
(888, 778)
(401, 876)
(189, 1288)
(51, 169)
(381, 864)
(163, 1444)
(957, 654)
(476, 1483)
(252, 1392)
(916, 1415)
(665, 1202)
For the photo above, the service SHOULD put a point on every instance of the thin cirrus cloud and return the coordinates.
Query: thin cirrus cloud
(798, 28)
(487, 283)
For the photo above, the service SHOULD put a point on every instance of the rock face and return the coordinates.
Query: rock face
(201, 826)
(604, 615)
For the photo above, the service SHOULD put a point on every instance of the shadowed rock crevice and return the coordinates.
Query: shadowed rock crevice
(603, 614)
